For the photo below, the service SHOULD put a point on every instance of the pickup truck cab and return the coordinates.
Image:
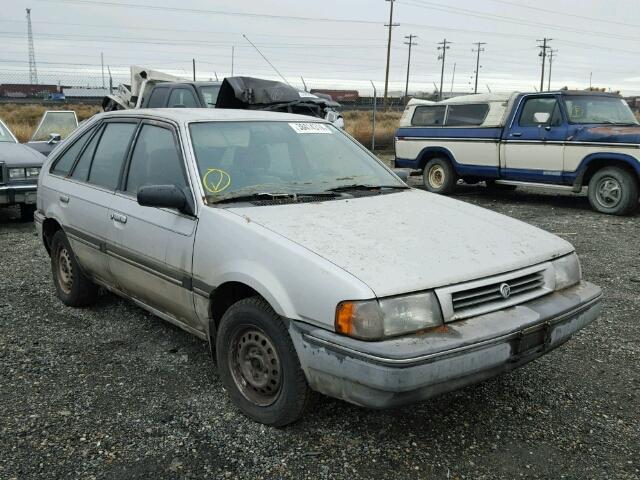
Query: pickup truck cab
(182, 95)
(260, 233)
(564, 139)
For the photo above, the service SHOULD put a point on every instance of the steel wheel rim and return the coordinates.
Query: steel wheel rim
(609, 192)
(65, 270)
(436, 176)
(255, 366)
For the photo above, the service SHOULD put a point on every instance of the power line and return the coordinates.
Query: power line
(411, 43)
(478, 49)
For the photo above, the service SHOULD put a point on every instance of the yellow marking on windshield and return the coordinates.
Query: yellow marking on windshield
(216, 180)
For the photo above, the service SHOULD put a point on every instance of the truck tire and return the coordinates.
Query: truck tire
(439, 176)
(258, 364)
(613, 190)
(72, 286)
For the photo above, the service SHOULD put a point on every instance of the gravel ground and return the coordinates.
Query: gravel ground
(113, 392)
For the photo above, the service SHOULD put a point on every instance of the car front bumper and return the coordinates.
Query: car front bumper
(18, 194)
(412, 368)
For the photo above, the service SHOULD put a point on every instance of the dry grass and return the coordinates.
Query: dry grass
(359, 125)
(23, 119)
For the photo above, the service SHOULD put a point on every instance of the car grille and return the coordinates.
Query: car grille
(495, 293)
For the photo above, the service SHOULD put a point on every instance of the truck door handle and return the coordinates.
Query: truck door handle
(516, 134)
(64, 199)
(119, 218)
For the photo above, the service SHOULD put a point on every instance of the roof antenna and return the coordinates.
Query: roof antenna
(265, 59)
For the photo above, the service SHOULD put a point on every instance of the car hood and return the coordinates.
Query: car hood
(411, 240)
(16, 155)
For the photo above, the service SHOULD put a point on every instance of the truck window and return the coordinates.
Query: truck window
(210, 94)
(540, 111)
(158, 98)
(428, 116)
(462, 115)
(182, 97)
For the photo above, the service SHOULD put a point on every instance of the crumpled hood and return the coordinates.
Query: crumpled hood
(607, 134)
(410, 240)
(17, 155)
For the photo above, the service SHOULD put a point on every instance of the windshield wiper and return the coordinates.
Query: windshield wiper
(248, 197)
(364, 186)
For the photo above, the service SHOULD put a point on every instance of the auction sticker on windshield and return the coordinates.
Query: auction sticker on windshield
(310, 128)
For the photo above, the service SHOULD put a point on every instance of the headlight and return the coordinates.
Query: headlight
(567, 271)
(33, 172)
(16, 173)
(388, 317)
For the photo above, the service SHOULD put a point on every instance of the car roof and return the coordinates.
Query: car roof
(185, 115)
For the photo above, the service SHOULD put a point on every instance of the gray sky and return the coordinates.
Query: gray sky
(345, 49)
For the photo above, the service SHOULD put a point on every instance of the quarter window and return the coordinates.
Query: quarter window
(155, 160)
(64, 163)
(182, 97)
(540, 111)
(81, 170)
(109, 156)
(428, 116)
(467, 115)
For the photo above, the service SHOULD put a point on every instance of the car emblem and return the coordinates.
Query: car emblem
(505, 290)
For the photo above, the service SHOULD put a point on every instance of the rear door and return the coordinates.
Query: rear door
(534, 145)
(88, 192)
(151, 256)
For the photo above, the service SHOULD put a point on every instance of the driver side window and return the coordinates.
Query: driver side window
(540, 111)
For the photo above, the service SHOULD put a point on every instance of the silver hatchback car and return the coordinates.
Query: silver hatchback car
(305, 262)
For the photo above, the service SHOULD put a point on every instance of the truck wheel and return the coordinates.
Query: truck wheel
(438, 176)
(72, 286)
(258, 364)
(27, 211)
(614, 191)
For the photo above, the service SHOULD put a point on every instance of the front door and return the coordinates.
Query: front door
(151, 253)
(534, 147)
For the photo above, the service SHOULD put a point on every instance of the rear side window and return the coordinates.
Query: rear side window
(155, 160)
(428, 116)
(109, 156)
(158, 98)
(182, 97)
(467, 115)
(64, 163)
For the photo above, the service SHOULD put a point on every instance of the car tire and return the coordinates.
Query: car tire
(439, 176)
(72, 285)
(613, 190)
(258, 364)
(491, 184)
(26, 212)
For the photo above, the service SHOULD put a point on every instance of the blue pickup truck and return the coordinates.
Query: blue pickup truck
(564, 139)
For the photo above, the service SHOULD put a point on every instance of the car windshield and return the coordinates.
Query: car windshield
(61, 123)
(5, 134)
(278, 158)
(210, 94)
(599, 109)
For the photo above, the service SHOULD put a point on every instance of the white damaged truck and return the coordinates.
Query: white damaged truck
(564, 139)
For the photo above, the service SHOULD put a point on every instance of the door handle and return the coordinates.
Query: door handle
(119, 218)
(516, 134)
(64, 199)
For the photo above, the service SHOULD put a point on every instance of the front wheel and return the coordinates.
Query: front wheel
(614, 191)
(258, 364)
(439, 176)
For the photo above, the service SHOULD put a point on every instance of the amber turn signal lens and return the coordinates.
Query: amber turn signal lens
(344, 318)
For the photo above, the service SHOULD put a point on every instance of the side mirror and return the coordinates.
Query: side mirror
(541, 117)
(403, 173)
(164, 196)
(54, 138)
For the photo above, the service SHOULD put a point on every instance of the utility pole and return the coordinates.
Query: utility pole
(102, 65)
(590, 78)
(233, 54)
(478, 50)
(442, 57)
(193, 60)
(543, 54)
(411, 44)
(33, 71)
(390, 25)
(552, 53)
(453, 79)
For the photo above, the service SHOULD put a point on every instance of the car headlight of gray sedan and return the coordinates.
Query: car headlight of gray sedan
(17, 174)
(388, 317)
(567, 271)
